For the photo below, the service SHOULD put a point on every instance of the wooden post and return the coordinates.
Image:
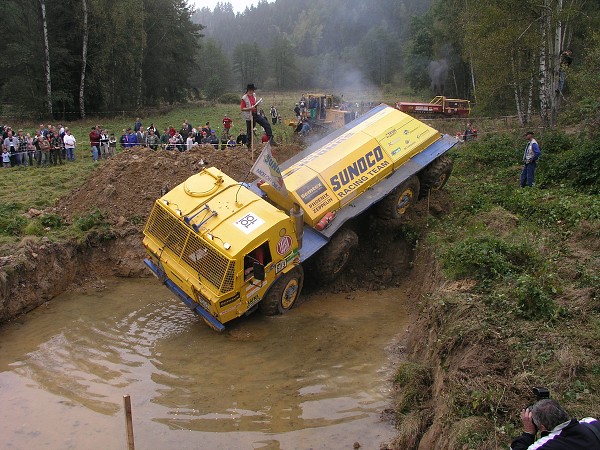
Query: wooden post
(128, 422)
(252, 135)
(427, 216)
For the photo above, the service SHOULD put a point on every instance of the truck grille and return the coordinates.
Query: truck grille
(193, 253)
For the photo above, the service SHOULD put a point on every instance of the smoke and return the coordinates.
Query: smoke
(438, 73)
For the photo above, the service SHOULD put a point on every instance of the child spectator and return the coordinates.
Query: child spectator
(104, 144)
(5, 158)
(227, 123)
(112, 145)
(30, 148)
(45, 150)
(189, 142)
(214, 140)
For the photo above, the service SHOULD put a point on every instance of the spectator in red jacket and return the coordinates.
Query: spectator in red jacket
(94, 142)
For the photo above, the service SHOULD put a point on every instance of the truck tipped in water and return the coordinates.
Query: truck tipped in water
(228, 248)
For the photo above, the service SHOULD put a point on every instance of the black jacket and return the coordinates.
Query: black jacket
(572, 436)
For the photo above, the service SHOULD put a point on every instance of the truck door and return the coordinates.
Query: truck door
(260, 255)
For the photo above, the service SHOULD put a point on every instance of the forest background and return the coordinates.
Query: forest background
(70, 58)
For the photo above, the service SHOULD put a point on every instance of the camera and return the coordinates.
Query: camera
(540, 394)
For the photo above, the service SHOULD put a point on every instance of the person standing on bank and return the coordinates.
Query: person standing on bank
(248, 107)
(530, 156)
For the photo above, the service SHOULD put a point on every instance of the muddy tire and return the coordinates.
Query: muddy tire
(397, 202)
(283, 294)
(334, 257)
(436, 174)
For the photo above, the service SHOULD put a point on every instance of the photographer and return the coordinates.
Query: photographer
(557, 430)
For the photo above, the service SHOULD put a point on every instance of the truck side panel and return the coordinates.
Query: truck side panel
(347, 164)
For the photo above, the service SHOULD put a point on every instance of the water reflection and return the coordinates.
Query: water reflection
(315, 374)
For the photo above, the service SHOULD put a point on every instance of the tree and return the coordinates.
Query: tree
(83, 60)
(210, 61)
(378, 51)
(215, 87)
(419, 51)
(248, 63)
(47, 56)
(284, 62)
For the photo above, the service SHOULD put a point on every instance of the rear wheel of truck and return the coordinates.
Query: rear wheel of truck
(397, 202)
(436, 174)
(283, 294)
(334, 257)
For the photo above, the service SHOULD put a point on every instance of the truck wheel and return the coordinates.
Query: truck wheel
(436, 174)
(335, 255)
(397, 202)
(284, 293)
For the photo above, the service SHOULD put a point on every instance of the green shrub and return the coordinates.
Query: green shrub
(13, 226)
(34, 228)
(534, 297)
(51, 221)
(93, 219)
(414, 381)
(230, 98)
(12, 222)
(574, 164)
(487, 257)
(494, 150)
(553, 142)
(547, 209)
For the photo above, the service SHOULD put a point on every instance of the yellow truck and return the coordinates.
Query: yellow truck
(228, 248)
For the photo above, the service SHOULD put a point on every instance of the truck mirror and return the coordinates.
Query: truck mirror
(259, 271)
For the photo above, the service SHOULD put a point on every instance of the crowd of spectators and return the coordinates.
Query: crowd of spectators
(51, 146)
(46, 146)
(184, 139)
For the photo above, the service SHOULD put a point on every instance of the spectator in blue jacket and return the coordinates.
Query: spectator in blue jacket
(530, 156)
(131, 139)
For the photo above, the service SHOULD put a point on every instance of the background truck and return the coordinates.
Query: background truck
(228, 248)
(324, 113)
(438, 107)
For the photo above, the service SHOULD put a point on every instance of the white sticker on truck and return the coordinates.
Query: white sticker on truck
(249, 223)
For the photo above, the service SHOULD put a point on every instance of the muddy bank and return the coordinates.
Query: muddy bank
(39, 270)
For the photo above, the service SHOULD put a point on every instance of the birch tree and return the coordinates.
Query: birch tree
(46, 57)
(83, 59)
(557, 19)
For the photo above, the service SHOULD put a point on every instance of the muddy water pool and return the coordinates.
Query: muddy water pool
(317, 377)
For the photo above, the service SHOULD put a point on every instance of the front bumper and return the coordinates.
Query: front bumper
(210, 320)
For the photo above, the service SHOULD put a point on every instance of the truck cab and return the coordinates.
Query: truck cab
(220, 244)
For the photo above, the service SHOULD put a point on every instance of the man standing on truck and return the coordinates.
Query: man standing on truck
(248, 107)
(530, 156)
